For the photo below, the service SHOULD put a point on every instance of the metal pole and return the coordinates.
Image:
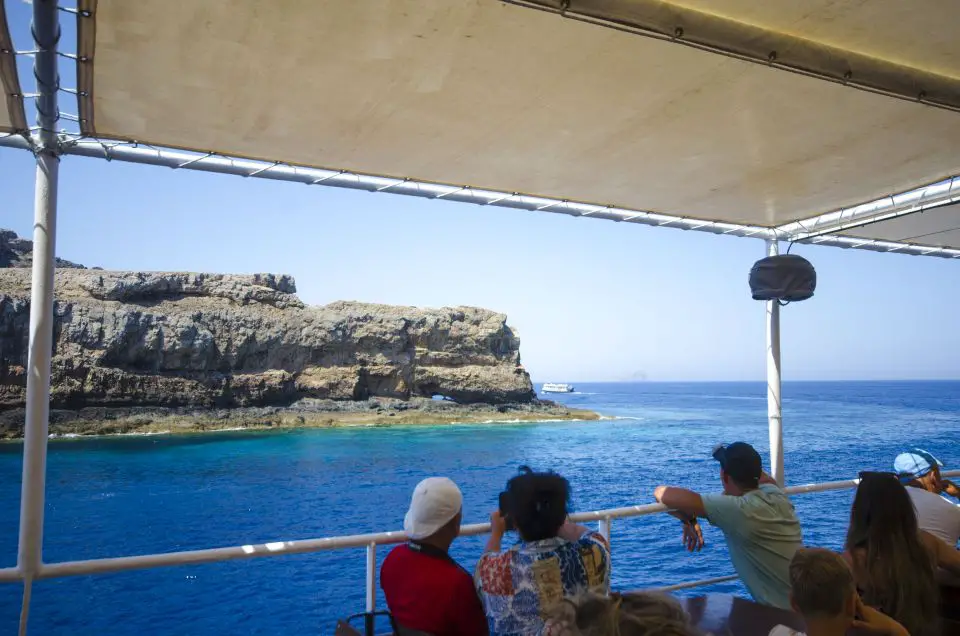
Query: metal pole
(604, 527)
(369, 619)
(46, 34)
(774, 405)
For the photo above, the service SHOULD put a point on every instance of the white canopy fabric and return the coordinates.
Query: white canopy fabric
(939, 227)
(12, 118)
(511, 98)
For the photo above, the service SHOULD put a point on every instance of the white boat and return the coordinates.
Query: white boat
(552, 387)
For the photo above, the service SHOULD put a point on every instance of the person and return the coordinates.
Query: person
(920, 472)
(553, 559)
(426, 590)
(631, 614)
(895, 563)
(755, 515)
(822, 591)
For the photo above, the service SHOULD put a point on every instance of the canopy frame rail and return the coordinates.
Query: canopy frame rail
(9, 79)
(758, 45)
(46, 145)
(133, 152)
(934, 195)
(213, 162)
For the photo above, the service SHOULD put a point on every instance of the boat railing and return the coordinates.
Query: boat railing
(369, 542)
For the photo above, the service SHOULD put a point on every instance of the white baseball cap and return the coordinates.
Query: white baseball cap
(435, 501)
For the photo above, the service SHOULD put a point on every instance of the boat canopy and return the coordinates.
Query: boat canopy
(729, 116)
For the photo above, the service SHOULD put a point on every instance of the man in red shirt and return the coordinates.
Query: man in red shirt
(426, 589)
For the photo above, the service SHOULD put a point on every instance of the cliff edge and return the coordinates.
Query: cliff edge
(219, 341)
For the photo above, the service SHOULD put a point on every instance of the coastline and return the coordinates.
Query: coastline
(373, 413)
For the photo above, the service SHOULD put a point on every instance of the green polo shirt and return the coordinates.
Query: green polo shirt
(762, 535)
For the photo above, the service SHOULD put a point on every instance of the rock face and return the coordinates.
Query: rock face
(225, 341)
(18, 252)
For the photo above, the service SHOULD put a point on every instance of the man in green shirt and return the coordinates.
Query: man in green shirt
(756, 517)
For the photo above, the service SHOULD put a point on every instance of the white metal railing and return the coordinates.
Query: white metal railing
(367, 541)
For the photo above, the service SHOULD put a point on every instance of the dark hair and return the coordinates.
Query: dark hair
(821, 583)
(741, 462)
(537, 503)
(895, 571)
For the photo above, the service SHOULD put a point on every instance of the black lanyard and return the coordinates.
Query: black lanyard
(435, 552)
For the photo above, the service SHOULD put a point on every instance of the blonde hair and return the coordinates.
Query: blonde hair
(821, 583)
(633, 614)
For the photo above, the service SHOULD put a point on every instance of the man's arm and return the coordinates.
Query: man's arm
(687, 505)
(468, 617)
(682, 500)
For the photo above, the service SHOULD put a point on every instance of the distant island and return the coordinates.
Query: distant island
(139, 352)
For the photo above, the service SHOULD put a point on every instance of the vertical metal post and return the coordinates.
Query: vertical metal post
(369, 621)
(46, 35)
(774, 405)
(604, 528)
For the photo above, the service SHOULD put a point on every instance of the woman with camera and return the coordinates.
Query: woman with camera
(553, 559)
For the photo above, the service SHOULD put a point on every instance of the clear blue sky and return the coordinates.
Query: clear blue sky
(591, 299)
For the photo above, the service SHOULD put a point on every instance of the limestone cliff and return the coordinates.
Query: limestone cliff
(18, 252)
(224, 341)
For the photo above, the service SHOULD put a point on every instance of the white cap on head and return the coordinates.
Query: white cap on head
(435, 501)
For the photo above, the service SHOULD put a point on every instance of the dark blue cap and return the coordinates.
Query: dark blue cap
(741, 461)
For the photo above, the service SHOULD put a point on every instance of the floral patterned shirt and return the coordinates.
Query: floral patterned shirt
(521, 586)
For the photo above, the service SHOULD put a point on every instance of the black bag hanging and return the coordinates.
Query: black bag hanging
(785, 277)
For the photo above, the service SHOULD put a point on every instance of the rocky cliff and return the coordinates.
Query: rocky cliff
(18, 252)
(215, 341)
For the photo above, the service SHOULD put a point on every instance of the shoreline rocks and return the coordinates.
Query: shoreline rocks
(307, 413)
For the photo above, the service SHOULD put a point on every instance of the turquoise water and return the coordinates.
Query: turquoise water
(121, 496)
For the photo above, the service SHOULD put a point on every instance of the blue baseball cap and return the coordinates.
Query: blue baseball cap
(915, 463)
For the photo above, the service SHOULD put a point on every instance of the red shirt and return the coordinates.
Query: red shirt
(426, 590)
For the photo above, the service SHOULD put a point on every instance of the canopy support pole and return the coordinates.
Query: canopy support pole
(46, 34)
(774, 405)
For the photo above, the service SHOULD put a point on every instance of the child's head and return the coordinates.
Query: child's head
(821, 585)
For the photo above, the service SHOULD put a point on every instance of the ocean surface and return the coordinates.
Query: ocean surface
(116, 496)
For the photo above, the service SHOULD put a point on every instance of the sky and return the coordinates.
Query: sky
(590, 299)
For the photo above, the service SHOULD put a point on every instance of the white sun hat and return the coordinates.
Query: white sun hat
(435, 501)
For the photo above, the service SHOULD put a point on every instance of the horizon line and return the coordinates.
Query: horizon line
(745, 381)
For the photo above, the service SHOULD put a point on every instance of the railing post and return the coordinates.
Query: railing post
(604, 527)
(774, 404)
(369, 620)
(46, 34)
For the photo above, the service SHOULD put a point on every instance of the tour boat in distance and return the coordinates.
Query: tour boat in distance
(551, 387)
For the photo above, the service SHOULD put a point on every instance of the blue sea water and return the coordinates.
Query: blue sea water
(120, 496)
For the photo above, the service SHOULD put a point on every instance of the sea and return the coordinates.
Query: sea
(127, 495)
